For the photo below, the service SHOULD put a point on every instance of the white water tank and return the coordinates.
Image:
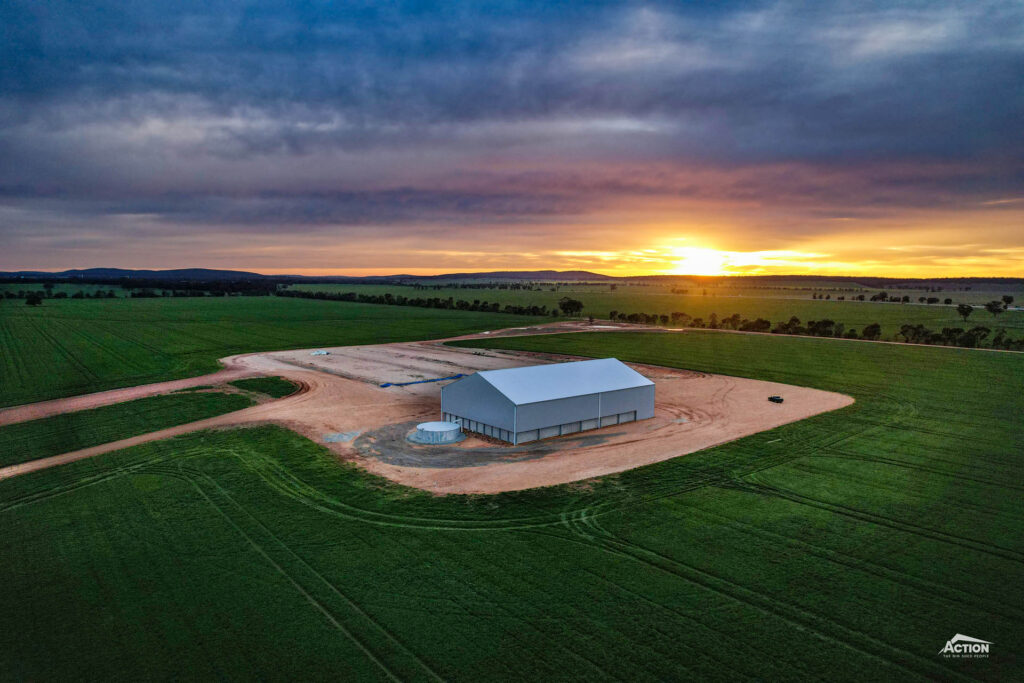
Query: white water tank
(437, 432)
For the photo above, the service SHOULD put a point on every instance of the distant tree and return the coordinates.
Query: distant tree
(612, 288)
(947, 301)
(920, 299)
(33, 300)
(570, 306)
(792, 326)
(914, 334)
(679, 318)
(975, 335)
(872, 332)
(612, 315)
(732, 322)
(1007, 300)
(78, 295)
(933, 300)
(905, 299)
(663, 319)
(49, 288)
(821, 328)
(759, 325)
(964, 311)
(590, 320)
(994, 307)
(951, 335)
(713, 321)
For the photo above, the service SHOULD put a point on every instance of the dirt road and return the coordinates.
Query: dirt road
(35, 411)
(343, 407)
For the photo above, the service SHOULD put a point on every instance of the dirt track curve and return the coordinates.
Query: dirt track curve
(342, 406)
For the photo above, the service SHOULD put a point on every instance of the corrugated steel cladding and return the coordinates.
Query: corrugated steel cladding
(588, 395)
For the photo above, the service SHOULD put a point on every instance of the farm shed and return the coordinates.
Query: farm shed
(537, 402)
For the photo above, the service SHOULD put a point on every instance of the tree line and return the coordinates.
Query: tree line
(444, 303)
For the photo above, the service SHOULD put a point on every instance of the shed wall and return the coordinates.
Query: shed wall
(559, 411)
(475, 398)
(640, 399)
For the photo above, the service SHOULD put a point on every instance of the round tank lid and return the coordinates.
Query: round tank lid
(438, 427)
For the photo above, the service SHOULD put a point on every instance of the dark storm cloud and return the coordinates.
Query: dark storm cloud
(312, 113)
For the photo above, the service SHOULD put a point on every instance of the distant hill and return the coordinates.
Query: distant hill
(196, 274)
(182, 275)
(205, 274)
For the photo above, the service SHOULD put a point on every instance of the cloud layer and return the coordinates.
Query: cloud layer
(269, 132)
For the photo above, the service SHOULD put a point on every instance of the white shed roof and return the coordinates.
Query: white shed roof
(561, 380)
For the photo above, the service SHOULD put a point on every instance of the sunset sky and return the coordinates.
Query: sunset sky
(626, 138)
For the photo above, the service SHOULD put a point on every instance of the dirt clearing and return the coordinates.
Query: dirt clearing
(341, 396)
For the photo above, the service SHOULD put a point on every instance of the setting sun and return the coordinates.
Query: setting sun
(698, 261)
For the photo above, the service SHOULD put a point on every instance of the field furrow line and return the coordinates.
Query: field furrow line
(925, 586)
(846, 455)
(871, 518)
(320, 607)
(323, 580)
(741, 648)
(800, 617)
(64, 351)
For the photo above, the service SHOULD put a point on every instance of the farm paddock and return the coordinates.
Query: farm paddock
(343, 406)
(844, 547)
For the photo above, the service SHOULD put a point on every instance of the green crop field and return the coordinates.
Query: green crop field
(67, 288)
(70, 347)
(48, 436)
(776, 306)
(849, 546)
(275, 387)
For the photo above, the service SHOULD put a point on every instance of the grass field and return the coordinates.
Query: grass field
(42, 438)
(68, 288)
(776, 306)
(72, 347)
(849, 546)
(275, 387)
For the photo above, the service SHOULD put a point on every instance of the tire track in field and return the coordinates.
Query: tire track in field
(846, 455)
(801, 466)
(943, 591)
(799, 617)
(284, 482)
(109, 350)
(15, 365)
(104, 326)
(752, 486)
(59, 346)
(89, 480)
(696, 654)
(312, 600)
(588, 527)
(332, 587)
(530, 624)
